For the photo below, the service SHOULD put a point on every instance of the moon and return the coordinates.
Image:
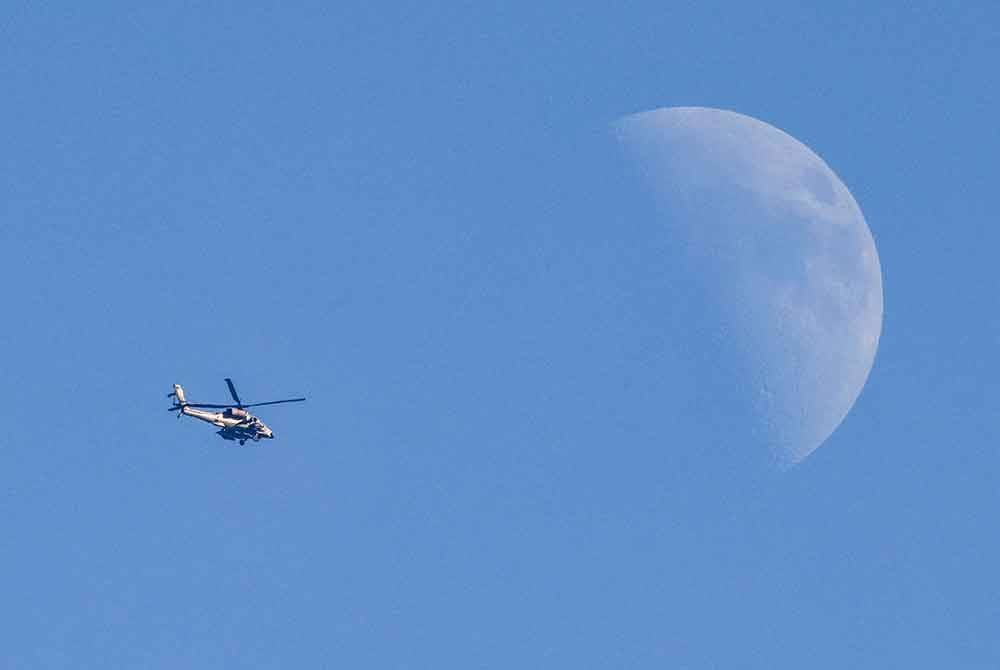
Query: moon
(776, 244)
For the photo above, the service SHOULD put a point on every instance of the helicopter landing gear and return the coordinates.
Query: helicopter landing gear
(242, 442)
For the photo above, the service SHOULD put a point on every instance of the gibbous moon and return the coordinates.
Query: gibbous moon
(781, 251)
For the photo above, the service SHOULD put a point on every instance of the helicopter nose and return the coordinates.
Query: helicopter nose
(271, 435)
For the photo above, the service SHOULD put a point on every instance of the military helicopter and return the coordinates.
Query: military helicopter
(235, 421)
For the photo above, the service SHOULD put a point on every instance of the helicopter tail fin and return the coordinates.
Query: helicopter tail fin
(178, 395)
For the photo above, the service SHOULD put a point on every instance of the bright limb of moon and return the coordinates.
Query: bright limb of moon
(783, 250)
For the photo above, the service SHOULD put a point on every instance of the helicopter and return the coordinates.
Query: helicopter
(235, 422)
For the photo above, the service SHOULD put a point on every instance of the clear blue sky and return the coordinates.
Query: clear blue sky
(396, 210)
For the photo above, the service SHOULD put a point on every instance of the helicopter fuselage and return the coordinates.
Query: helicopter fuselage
(236, 424)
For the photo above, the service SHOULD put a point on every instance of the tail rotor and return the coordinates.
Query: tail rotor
(180, 402)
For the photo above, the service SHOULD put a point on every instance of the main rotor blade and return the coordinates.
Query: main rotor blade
(274, 402)
(232, 390)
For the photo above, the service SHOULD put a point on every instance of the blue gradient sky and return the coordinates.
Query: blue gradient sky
(399, 210)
